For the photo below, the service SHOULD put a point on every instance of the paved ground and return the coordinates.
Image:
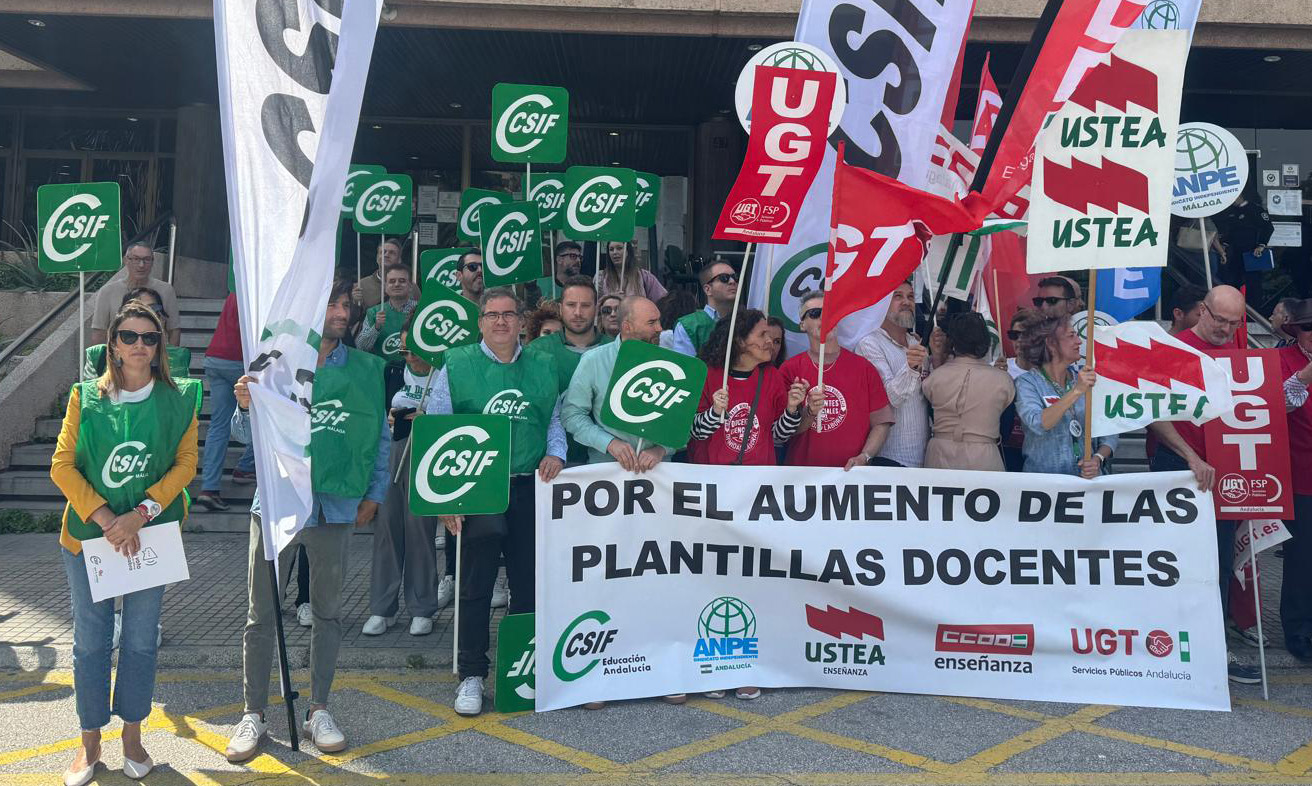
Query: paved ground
(393, 701)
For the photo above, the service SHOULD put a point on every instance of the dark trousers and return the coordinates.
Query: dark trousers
(1167, 460)
(1296, 586)
(302, 577)
(449, 552)
(482, 561)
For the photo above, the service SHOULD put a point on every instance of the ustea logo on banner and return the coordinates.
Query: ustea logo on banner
(845, 658)
(460, 465)
(726, 632)
(383, 206)
(78, 224)
(529, 123)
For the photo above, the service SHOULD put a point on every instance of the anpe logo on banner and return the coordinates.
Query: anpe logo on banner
(853, 656)
(128, 461)
(353, 175)
(471, 199)
(512, 252)
(581, 644)
(529, 123)
(460, 464)
(726, 631)
(440, 265)
(442, 320)
(599, 203)
(383, 207)
(549, 192)
(994, 639)
(78, 224)
(1211, 168)
(653, 393)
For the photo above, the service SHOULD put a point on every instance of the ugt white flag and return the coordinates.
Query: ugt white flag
(1146, 374)
(291, 79)
(897, 70)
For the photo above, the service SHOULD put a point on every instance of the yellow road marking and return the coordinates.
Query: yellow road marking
(998, 707)
(1177, 747)
(18, 693)
(1046, 732)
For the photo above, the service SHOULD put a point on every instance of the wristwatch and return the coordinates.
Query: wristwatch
(149, 508)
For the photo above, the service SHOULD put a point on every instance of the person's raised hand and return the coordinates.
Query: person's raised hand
(720, 401)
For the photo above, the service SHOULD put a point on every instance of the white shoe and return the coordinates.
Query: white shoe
(500, 593)
(246, 738)
(137, 770)
(305, 615)
(446, 591)
(469, 696)
(83, 776)
(322, 730)
(421, 626)
(376, 625)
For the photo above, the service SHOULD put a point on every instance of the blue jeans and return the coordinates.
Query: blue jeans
(220, 376)
(93, 634)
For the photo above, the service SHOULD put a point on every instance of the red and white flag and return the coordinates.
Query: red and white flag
(986, 110)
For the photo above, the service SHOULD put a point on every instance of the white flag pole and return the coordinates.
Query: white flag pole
(1257, 608)
(414, 255)
(1207, 260)
(769, 277)
(455, 619)
(357, 258)
(82, 326)
(733, 316)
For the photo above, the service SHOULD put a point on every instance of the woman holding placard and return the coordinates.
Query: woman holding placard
(125, 453)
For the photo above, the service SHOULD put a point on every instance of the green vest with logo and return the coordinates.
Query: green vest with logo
(477, 382)
(567, 362)
(388, 344)
(344, 424)
(124, 449)
(698, 325)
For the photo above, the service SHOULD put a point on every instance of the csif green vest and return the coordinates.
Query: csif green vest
(344, 424)
(388, 344)
(698, 325)
(124, 449)
(525, 391)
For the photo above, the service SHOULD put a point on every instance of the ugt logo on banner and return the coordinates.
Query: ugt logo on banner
(653, 393)
(599, 203)
(471, 199)
(78, 224)
(460, 465)
(529, 123)
(511, 249)
(383, 206)
(442, 320)
(440, 265)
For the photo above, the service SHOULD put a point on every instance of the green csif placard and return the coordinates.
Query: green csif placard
(530, 123)
(384, 204)
(516, 663)
(442, 320)
(512, 251)
(78, 227)
(441, 265)
(653, 393)
(599, 203)
(549, 192)
(352, 192)
(460, 464)
(648, 199)
(471, 199)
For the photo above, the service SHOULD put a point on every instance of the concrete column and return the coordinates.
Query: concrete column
(719, 154)
(200, 198)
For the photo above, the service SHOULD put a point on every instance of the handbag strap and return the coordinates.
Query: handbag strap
(751, 417)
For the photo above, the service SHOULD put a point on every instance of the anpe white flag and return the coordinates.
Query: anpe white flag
(1146, 374)
(291, 80)
(1170, 15)
(898, 65)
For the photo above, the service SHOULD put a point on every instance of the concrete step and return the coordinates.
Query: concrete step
(201, 305)
(202, 321)
(237, 519)
(36, 484)
(36, 455)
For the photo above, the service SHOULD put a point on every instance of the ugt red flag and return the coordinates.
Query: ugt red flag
(790, 122)
(879, 232)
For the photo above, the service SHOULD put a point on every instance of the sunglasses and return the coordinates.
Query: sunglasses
(1049, 301)
(1014, 335)
(811, 313)
(608, 310)
(569, 255)
(725, 278)
(130, 337)
(474, 267)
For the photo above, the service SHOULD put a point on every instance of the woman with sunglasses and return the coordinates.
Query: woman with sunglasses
(608, 315)
(621, 260)
(136, 408)
(179, 357)
(1050, 402)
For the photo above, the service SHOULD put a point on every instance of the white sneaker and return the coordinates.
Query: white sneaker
(500, 593)
(469, 696)
(246, 738)
(376, 625)
(421, 626)
(322, 730)
(304, 615)
(446, 591)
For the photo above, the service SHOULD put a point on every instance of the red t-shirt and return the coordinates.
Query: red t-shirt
(1191, 433)
(853, 392)
(226, 341)
(1292, 361)
(722, 447)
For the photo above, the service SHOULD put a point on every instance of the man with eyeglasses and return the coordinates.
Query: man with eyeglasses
(138, 260)
(569, 263)
(578, 311)
(1296, 586)
(1181, 444)
(371, 290)
(720, 285)
(846, 425)
(527, 387)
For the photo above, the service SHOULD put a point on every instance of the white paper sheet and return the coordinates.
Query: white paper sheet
(161, 560)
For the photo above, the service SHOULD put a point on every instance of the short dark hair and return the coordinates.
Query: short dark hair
(401, 266)
(139, 291)
(566, 245)
(579, 281)
(495, 292)
(704, 275)
(1067, 288)
(676, 304)
(968, 335)
(341, 286)
(460, 261)
(1187, 298)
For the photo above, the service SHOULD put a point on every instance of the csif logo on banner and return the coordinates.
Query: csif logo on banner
(441, 266)
(647, 200)
(329, 415)
(78, 224)
(653, 393)
(529, 123)
(581, 644)
(471, 200)
(509, 402)
(511, 250)
(599, 203)
(383, 205)
(128, 461)
(549, 192)
(460, 464)
(442, 320)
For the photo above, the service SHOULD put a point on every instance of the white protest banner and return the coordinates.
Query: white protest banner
(1104, 166)
(1041, 587)
(161, 560)
(1266, 534)
(1146, 374)
(289, 116)
(896, 58)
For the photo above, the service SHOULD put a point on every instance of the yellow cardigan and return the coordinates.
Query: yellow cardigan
(79, 493)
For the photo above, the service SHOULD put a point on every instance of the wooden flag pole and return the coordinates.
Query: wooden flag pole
(733, 316)
(1088, 352)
